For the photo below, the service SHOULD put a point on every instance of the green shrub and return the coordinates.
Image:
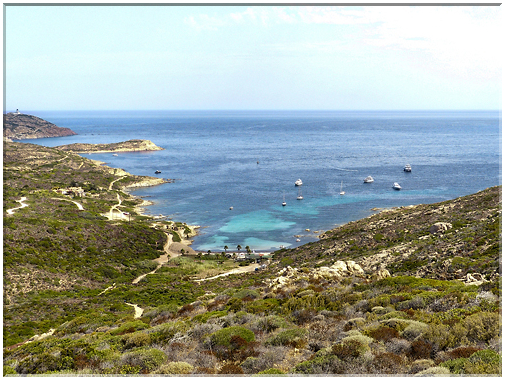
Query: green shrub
(352, 346)
(246, 294)
(326, 364)
(8, 370)
(268, 305)
(203, 318)
(271, 371)
(383, 333)
(272, 323)
(483, 362)
(175, 368)
(145, 359)
(455, 366)
(355, 323)
(129, 327)
(483, 326)
(166, 331)
(434, 371)
(138, 339)
(414, 330)
(292, 337)
(223, 337)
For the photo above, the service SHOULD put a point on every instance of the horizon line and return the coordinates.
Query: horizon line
(269, 110)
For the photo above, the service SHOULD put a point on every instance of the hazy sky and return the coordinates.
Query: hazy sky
(252, 57)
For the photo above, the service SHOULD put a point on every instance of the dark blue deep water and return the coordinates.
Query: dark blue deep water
(213, 157)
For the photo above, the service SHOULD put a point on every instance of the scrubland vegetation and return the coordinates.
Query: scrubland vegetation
(72, 271)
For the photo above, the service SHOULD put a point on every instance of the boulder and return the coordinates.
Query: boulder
(440, 227)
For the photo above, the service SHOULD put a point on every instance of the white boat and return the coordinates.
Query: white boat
(283, 200)
(298, 182)
(407, 168)
(368, 179)
(397, 186)
(115, 154)
(299, 197)
(341, 191)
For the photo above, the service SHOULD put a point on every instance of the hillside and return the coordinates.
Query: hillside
(413, 290)
(21, 127)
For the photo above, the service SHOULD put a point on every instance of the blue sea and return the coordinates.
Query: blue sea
(249, 160)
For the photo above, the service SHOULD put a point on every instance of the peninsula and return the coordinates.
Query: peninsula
(19, 126)
(126, 146)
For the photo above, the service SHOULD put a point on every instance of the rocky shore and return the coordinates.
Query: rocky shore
(19, 126)
(126, 146)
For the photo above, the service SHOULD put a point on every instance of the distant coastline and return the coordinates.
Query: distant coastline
(126, 146)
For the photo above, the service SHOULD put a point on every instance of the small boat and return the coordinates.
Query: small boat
(297, 239)
(299, 197)
(407, 168)
(157, 172)
(284, 200)
(341, 191)
(368, 179)
(298, 182)
(397, 186)
(231, 208)
(115, 154)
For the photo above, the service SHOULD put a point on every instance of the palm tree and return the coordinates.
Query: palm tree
(225, 248)
(248, 249)
(239, 247)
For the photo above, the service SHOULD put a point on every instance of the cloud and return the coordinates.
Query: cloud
(205, 22)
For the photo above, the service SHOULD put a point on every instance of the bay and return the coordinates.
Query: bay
(249, 160)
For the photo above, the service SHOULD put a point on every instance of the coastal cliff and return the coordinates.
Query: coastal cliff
(18, 126)
(126, 146)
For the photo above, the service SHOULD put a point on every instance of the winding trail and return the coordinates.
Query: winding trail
(117, 179)
(21, 200)
(79, 206)
(163, 259)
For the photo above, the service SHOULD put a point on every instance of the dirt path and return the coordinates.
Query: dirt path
(117, 179)
(79, 206)
(249, 268)
(163, 259)
(21, 200)
(138, 310)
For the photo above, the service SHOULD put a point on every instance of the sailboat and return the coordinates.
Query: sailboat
(341, 191)
(284, 199)
(299, 197)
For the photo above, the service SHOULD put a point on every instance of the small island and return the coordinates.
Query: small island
(19, 126)
(126, 146)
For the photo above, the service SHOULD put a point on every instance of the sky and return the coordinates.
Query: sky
(252, 57)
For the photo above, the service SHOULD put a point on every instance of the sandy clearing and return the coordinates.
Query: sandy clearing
(249, 268)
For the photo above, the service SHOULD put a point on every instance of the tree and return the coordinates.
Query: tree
(225, 248)
(239, 247)
(248, 249)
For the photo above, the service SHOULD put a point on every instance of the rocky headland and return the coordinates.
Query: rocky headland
(126, 146)
(19, 126)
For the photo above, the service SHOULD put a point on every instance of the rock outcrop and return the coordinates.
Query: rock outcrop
(18, 126)
(286, 277)
(126, 146)
(440, 227)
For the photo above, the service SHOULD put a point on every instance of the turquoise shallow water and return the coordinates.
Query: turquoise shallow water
(250, 160)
